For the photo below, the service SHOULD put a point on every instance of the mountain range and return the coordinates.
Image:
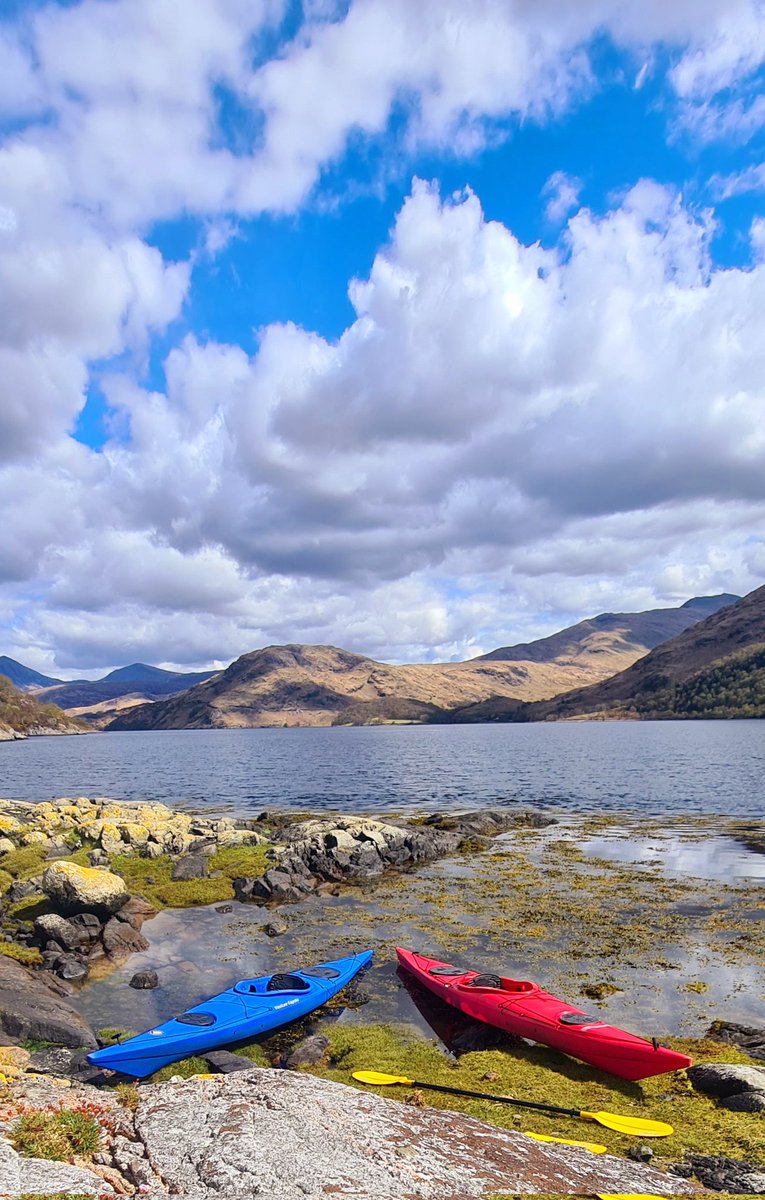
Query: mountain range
(324, 685)
(704, 658)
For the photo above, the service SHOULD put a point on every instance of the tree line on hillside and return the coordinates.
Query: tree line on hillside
(733, 687)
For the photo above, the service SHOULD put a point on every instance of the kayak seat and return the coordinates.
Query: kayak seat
(287, 983)
(485, 981)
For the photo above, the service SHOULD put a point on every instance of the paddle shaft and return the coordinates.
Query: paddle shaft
(455, 1091)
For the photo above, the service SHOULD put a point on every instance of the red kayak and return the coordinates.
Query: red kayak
(524, 1009)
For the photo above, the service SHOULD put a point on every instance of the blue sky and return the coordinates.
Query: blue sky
(413, 329)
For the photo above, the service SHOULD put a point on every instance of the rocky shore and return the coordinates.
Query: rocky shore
(79, 877)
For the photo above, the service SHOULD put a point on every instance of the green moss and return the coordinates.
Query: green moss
(56, 1135)
(23, 954)
(30, 907)
(113, 1034)
(152, 877)
(35, 1044)
(6, 879)
(185, 1068)
(24, 862)
(540, 1075)
(240, 860)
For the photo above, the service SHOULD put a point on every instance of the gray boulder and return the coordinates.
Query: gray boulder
(310, 1051)
(191, 866)
(51, 925)
(227, 1063)
(31, 1007)
(726, 1079)
(287, 1135)
(747, 1037)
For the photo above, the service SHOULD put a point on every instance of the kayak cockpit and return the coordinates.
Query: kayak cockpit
(500, 983)
(271, 984)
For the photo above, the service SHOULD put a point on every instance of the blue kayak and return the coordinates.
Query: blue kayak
(250, 1007)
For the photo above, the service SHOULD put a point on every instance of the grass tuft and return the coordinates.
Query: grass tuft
(56, 1135)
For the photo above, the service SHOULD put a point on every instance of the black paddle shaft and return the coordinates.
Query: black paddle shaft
(554, 1108)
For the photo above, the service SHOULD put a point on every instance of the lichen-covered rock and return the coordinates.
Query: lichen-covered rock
(287, 1135)
(51, 925)
(73, 888)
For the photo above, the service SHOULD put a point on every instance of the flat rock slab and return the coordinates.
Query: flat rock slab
(277, 1133)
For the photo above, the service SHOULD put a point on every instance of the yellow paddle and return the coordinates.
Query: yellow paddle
(636, 1126)
(593, 1147)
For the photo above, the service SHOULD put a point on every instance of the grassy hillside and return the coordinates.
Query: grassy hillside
(20, 713)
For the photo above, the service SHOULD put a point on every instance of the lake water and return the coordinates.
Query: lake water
(651, 767)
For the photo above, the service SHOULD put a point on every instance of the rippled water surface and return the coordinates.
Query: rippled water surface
(583, 766)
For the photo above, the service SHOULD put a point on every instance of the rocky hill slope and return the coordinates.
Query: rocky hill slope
(324, 685)
(715, 668)
(21, 715)
(611, 632)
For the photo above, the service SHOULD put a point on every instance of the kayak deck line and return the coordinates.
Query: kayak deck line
(525, 1009)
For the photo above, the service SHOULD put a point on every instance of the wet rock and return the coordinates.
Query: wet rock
(227, 1063)
(120, 940)
(746, 1037)
(191, 866)
(726, 1079)
(71, 967)
(224, 908)
(136, 911)
(33, 1007)
(745, 1102)
(310, 1051)
(489, 822)
(73, 888)
(275, 928)
(276, 886)
(144, 980)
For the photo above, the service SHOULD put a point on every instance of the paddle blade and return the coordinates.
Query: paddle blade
(593, 1147)
(378, 1078)
(634, 1126)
